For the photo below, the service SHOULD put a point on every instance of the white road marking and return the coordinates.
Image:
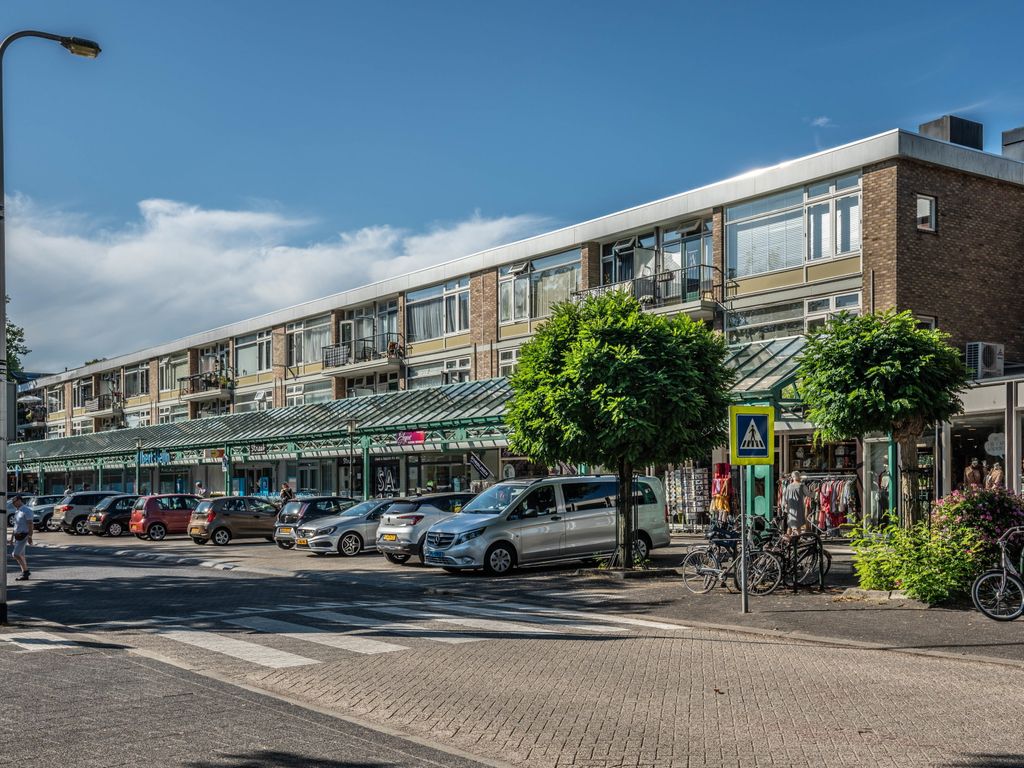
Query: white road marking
(37, 640)
(239, 649)
(523, 616)
(627, 620)
(317, 635)
(401, 628)
(508, 627)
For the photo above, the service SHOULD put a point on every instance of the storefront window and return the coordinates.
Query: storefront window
(436, 472)
(978, 443)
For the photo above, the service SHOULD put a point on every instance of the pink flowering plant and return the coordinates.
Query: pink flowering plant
(989, 512)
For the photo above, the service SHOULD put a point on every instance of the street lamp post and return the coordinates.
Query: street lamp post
(79, 47)
(138, 465)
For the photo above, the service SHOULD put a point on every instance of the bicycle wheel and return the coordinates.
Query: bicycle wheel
(700, 571)
(999, 599)
(807, 566)
(764, 573)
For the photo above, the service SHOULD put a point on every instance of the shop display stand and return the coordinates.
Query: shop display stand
(688, 495)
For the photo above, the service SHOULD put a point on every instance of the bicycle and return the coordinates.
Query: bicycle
(804, 559)
(999, 593)
(706, 567)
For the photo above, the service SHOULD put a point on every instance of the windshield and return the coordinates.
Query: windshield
(495, 499)
(104, 503)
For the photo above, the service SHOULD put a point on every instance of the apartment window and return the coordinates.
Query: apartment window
(529, 290)
(628, 258)
(171, 414)
(55, 430)
(214, 359)
(926, 213)
(309, 393)
(361, 386)
(81, 427)
(782, 231)
(818, 311)
(81, 391)
(438, 373)
(169, 370)
(55, 398)
(136, 380)
(508, 361)
(307, 339)
(762, 323)
(439, 310)
(252, 353)
(137, 419)
(260, 400)
(457, 371)
(209, 410)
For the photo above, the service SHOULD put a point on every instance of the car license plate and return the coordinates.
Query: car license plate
(302, 542)
(195, 531)
(390, 537)
(284, 530)
(94, 518)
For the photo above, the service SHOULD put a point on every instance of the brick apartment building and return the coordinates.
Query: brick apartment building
(922, 221)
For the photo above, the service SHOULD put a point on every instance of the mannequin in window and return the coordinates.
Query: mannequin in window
(973, 476)
(995, 478)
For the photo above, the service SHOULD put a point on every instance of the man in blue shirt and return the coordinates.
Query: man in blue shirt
(21, 535)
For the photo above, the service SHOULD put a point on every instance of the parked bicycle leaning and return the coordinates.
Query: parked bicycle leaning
(999, 593)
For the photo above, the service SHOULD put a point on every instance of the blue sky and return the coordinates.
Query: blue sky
(264, 153)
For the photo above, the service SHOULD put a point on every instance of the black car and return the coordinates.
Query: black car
(111, 516)
(298, 511)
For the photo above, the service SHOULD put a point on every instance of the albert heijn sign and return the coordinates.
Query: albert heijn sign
(751, 434)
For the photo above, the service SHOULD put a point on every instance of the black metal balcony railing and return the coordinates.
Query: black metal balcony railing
(102, 403)
(676, 286)
(382, 346)
(200, 383)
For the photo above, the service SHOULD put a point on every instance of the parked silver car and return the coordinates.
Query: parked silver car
(42, 512)
(72, 511)
(403, 528)
(525, 522)
(348, 533)
(299, 511)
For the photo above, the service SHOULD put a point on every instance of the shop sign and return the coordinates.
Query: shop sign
(386, 478)
(259, 449)
(751, 434)
(478, 465)
(155, 457)
(213, 453)
(417, 437)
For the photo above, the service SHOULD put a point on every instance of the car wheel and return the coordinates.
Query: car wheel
(115, 529)
(642, 547)
(47, 524)
(221, 537)
(499, 560)
(157, 532)
(396, 558)
(81, 527)
(286, 544)
(350, 545)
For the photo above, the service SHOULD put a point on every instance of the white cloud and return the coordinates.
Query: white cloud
(82, 293)
(824, 121)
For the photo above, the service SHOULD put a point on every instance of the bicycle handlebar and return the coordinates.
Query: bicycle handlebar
(1008, 532)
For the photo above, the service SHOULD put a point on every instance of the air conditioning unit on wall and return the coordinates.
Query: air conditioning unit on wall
(985, 359)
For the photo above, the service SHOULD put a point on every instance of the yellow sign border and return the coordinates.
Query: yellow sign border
(762, 410)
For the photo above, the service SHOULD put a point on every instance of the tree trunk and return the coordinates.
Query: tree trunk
(625, 514)
(910, 506)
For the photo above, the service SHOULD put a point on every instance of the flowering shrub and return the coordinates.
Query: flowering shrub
(989, 512)
(929, 563)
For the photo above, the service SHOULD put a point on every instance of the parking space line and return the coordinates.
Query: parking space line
(317, 635)
(254, 653)
(401, 628)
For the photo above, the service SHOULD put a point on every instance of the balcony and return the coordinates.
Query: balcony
(104, 405)
(696, 290)
(206, 387)
(373, 354)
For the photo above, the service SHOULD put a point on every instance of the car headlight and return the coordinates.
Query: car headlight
(462, 538)
(325, 531)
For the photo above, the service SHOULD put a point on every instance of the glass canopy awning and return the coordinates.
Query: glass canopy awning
(764, 369)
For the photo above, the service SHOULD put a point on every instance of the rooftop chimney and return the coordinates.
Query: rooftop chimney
(956, 130)
(1013, 144)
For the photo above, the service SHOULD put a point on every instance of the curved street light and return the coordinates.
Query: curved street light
(79, 47)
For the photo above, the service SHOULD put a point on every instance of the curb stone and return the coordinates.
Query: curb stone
(881, 595)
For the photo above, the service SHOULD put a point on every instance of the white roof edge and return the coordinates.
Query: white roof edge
(753, 183)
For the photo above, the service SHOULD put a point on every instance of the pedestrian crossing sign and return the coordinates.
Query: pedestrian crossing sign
(751, 434)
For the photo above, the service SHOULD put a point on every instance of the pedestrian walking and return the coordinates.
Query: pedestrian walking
(287, 494)
(21, 536)
(201, 490)
(794, 501)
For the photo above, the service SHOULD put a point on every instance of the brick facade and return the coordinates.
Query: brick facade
(483, 322)
(278, 358)
(878, 237)
(590, 265)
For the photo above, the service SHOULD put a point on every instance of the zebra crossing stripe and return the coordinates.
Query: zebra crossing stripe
(401, 628)
(37, 640)
(548, 620)
(253, 653)
(488, 625)
(627, 620)
(317, 635)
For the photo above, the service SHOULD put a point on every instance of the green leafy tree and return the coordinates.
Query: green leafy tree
(16, 347)
(605, 383)
(881, 373)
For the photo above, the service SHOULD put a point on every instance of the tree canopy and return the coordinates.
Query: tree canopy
(16, 347)
(880, 373)
(605, 383)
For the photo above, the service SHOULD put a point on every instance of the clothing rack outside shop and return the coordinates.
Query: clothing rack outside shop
(835, 500)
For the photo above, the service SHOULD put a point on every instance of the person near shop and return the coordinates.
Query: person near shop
(794, 502)
(995, 478)
(973, 476)
(21, 535)
(287, 494)
(201, 490)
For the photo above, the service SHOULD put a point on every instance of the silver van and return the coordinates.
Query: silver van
(527, 522)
